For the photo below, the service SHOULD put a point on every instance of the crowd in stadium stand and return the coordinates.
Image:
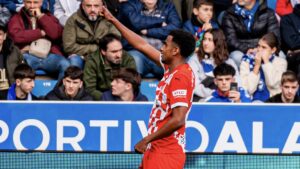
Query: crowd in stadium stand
(243, 43)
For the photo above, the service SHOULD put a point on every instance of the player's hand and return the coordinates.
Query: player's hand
(106, 14)
(141, 146)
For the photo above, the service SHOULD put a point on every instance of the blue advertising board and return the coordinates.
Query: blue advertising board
(117, 127)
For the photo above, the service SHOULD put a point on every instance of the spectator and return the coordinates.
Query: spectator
(125, 87)
(102, 65)
(70, 87)
(285, 7)
(289, 87)
(63, 9)
(32, 24)
(213, 52)
(224, 78)
(85, 28)
(15, 6)
(24, 83)
(261, 72)
(153, 19)
(290, 26)
(201, 20)
(245, 23)
(10, 58)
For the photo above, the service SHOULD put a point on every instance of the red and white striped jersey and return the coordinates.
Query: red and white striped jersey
(175, 89)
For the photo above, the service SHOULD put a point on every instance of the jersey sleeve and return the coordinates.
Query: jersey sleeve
(181, 90)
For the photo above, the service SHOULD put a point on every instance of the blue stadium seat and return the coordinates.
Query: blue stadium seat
(43, 86)
(148, 88)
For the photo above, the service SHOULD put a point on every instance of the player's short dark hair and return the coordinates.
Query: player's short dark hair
(130, 75)
(105, 40)
(185, 41)
(23, 71)
(224, 69)
(74, 72)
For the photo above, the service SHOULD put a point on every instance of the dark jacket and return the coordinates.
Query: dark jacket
(58, 93)
(238, 38)
(277, 99)
(12, 58)
(290, 29)
(131, 16)
(21, 32)
(80, 37)
(98, 75)
(107, 96)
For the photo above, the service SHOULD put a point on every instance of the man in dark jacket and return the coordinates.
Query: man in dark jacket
(289, 27)
(245, 23)
(125, 87)
(101, 66)
(154, 20)
(10, 58)
(70, 87)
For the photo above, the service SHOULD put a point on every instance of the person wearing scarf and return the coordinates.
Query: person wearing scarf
(247, 15)
(261, 70)
(212, 52)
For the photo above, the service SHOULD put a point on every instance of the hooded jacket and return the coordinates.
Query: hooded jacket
(238, 38)
(58, 93)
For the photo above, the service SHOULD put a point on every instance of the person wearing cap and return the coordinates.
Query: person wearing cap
(125, 87)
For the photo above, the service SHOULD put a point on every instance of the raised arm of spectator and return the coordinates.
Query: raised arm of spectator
(135, 40)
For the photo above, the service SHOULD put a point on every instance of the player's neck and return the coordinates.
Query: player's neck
(175, 64)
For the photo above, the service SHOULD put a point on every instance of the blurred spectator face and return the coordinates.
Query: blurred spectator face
(223, 82)
(92, 8)
(32, 4)
(245, 2)
(25, 85)
(264, 49)
(2, 37)
(114, 52)
(72, 86)
(204, 13)
(150, 4)
(119, 87)
(289, 90)
(208, 43)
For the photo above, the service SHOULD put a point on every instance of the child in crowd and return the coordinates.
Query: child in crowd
(201, 20)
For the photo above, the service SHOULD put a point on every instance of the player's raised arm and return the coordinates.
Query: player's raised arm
(134, 39)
